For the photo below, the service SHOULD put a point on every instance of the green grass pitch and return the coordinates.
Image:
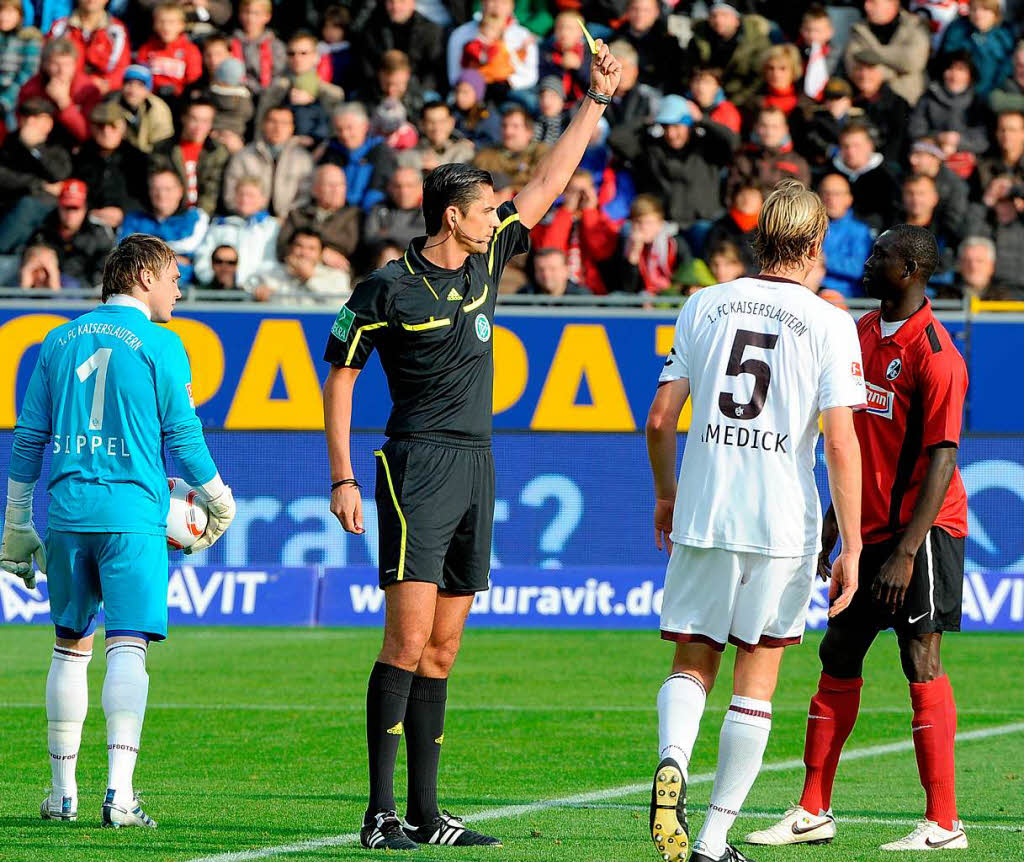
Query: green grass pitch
(254, 740)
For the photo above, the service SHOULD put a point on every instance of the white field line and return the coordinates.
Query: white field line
(775, 815)
(468, 707)
(582, 799)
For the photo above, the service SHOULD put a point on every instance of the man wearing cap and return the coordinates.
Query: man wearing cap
(147, 116)
(31, 172)
(662, 62)
(883, 108)
(81, 245)
(735, 44)
(682, 166)
(112, 169)
(926, 159)
(901, 41)
(552, 117)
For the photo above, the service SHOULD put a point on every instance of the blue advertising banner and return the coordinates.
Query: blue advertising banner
(611, 597)
(563, 500)
(597, 597)
(262, 370)
(199, 596)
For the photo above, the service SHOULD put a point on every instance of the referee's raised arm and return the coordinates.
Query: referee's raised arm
(558, 165)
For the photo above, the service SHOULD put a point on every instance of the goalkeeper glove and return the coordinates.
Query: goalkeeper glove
(21, 544)
(221, 512)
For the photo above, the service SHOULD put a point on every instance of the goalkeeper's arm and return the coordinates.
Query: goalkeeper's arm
(183, 434)
(187, 445)
(21, 544)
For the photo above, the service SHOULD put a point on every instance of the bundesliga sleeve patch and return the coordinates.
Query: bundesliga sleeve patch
(343, 324)
(191, 400)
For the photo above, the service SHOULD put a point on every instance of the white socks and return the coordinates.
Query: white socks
(680, 706)
(125, 689)
(740, 752)
(67, 701)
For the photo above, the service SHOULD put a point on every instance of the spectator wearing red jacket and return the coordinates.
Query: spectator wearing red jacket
(581, 230)
(170, 54)
(104, 48)
(781, 68)
(69, 90)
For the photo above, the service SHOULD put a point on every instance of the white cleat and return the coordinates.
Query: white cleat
(797, 826)
(928, 835)
(118, 816)
(64, 810)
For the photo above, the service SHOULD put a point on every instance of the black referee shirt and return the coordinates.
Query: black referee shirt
(433, 330)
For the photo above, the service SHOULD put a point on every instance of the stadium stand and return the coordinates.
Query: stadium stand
(899, 116)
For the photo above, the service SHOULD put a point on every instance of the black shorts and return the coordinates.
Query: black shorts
(934, 597)
(435, 511)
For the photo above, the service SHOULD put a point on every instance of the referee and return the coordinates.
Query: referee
(430, 316)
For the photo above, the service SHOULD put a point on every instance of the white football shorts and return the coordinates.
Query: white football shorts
(717, 597)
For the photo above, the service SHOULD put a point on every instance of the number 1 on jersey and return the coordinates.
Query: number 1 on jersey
(97, 363)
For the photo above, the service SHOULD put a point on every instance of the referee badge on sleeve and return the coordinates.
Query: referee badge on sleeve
(343, 323)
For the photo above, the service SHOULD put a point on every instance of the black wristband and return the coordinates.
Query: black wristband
(600, 98)
(341, 482)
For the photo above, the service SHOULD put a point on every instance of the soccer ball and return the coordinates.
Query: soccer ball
(186, 517)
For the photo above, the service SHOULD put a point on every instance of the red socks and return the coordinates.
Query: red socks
(934, 727)
(830, 720)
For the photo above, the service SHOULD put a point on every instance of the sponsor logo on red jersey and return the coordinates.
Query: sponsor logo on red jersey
(879, 400)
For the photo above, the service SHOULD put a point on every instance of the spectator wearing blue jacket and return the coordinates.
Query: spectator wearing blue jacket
(181, 227)
(988, 41)
(367, 161)
(848, 240)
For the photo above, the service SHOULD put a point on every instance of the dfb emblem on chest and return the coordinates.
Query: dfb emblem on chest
(894, 369)
(482, 326)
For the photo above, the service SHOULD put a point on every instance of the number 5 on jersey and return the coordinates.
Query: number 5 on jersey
(97, 363)
(760, 371)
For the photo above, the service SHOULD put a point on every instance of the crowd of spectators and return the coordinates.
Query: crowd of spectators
(279, 146)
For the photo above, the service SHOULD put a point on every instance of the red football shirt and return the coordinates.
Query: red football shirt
(916, 382)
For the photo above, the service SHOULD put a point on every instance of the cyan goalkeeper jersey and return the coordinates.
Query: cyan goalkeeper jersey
(108, 389)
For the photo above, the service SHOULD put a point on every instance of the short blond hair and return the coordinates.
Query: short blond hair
(123, 270)
(789, 54)
(790, 227)
(646, 205)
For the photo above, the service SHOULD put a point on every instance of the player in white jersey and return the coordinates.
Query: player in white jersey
(762, 359)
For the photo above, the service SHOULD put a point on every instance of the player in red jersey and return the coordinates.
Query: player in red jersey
(914, 523)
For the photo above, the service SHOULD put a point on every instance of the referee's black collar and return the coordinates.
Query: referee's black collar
(417, 264)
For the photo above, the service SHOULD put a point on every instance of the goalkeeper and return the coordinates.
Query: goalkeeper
(108, 389)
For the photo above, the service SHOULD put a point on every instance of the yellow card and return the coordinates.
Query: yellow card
(588, 37)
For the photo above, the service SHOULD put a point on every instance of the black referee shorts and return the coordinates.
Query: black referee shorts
(934, 597)
(435, 512)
